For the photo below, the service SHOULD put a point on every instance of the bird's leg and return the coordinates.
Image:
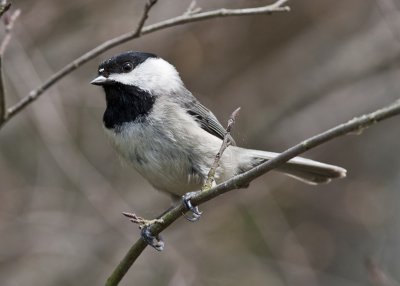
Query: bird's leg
(155, 241)
(196, 213)
(144, 225)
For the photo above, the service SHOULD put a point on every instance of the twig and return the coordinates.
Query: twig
(225, 143)
(9, 22)
(2, 95)
(356, 124)
(179, 20)
(143, 18)
(141, 221)
(192, 9)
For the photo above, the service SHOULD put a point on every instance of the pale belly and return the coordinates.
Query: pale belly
(159, 157)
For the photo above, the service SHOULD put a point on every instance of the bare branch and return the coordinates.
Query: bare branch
(225, 143)
(2, 95)
(144, 17)
(179, 20)
(9, 22)
(376, 275)
(244, 179)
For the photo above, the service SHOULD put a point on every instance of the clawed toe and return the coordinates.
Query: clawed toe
(153, 240)
(196, 213)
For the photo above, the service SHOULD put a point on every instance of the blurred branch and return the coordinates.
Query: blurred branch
(376, 275)
(9, 22)
(390, 14)
(354, 126)
(298, 103)
(2, 94)
(192, 16)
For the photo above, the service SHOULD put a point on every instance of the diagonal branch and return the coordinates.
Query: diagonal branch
(2, 94)
(179, 20)
(147, 7)
(9, 22)
(354, 126)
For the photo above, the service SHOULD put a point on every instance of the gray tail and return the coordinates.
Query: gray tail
(306, 170)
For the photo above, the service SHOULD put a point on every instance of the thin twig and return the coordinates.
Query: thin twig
(356, 124)
(192, 9)
(143, 18)
(142, 222)
(9, 22)
(225, 143)
(2, 95)
(179, 20)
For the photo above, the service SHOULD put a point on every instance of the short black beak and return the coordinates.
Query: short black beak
(101, 80)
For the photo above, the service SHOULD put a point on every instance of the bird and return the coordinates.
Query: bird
(161, 129)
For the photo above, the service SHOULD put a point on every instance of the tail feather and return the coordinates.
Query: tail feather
(306, 170)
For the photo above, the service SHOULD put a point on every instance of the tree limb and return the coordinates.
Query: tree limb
(354, 126)
(9, 21)
(2, 95)
(138, 32)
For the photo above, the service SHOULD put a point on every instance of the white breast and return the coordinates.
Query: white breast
(170, 149)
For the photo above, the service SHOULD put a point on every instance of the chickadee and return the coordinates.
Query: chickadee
(169, 137)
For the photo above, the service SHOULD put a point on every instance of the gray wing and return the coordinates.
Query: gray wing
(205, 118)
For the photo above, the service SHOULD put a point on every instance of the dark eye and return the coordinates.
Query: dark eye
(127, 67)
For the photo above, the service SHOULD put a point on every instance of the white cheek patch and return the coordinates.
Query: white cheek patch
(124, 78)
(154, 75)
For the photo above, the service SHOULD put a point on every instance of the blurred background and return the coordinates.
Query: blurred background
(294, 74)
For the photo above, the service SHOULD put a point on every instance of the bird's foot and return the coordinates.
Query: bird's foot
(196, 213)
(155, 241)
(144, 225)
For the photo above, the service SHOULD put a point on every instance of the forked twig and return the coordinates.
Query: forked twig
(225, 143)
(141, 221)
